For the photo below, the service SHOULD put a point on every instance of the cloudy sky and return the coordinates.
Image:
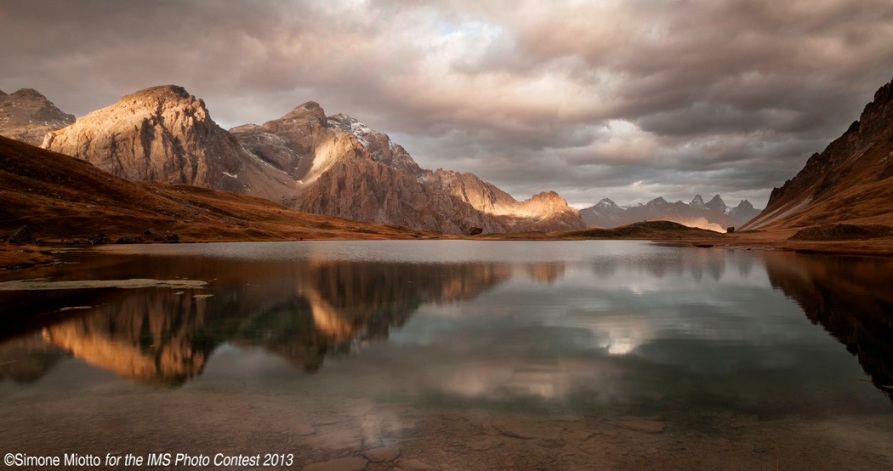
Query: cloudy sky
(625, 99)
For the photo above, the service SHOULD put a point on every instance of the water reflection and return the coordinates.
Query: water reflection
(596, 324)
(850, 297)
(300, 311)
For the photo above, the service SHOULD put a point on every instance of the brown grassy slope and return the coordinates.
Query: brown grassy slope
(61, 198)
(851, 181)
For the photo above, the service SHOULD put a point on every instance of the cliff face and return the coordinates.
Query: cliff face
(848, 181)
(164, 134)
(346, 169)
(28, 116)
(331, 165)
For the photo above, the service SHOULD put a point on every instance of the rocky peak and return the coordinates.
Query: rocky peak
(159, 100)
(697, 202)
(28, 116)
(160, 133)
(606, 203)
(717, 204)
(380, 146)
(744, 204)
(309, 112)
(656, 201)
(29, 93)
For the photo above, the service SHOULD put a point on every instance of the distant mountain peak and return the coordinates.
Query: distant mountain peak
(716, 203)
(28, 116)
(29, 92)
(696, 213)
(697, 202)
(606, 203)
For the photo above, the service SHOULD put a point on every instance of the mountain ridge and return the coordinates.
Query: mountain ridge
(333, 165)
(849, 181)
(713, 215)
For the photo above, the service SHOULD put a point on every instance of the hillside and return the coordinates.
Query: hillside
(60, 198)
(851, 181)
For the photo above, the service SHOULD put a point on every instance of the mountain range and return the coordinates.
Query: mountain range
(713, 215)
(332, 165)
(336, 165)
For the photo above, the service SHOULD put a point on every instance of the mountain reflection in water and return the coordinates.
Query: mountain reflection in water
(850, 297)
(308, 309)
(300, 311)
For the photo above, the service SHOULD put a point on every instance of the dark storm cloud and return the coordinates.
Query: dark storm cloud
(625, 99)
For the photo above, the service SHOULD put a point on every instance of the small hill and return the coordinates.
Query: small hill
(60, 198)
(648, 230)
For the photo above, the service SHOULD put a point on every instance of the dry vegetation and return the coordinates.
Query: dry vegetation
(63, 200)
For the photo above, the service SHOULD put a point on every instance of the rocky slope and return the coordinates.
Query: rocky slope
(61, 198)
(332, 165)
(165, 134)
(713, 215)
(850, 181)
(344, 168)
(28, 116)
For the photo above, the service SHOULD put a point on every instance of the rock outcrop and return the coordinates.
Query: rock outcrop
(849, 181)
(329, 165)
(28, 116)
(713, 215)
(345, 169)
(165, 134)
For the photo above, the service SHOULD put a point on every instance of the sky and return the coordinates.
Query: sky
(628, 100)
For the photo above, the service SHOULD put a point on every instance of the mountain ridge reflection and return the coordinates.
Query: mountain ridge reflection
(673, 312)
(302, 312)
(850, 298)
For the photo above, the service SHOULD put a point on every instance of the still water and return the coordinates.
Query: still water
(453, 355)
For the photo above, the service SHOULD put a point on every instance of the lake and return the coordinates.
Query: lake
(450, 354)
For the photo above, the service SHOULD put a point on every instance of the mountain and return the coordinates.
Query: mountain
(62, 198)
(713, 215)
(850, 181)
(28, 116)
(165, 134)
(345, 169)
(332, 165)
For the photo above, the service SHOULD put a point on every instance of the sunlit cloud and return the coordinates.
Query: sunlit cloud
(582, 97)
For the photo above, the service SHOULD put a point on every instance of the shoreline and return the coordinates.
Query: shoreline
(25, 256)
